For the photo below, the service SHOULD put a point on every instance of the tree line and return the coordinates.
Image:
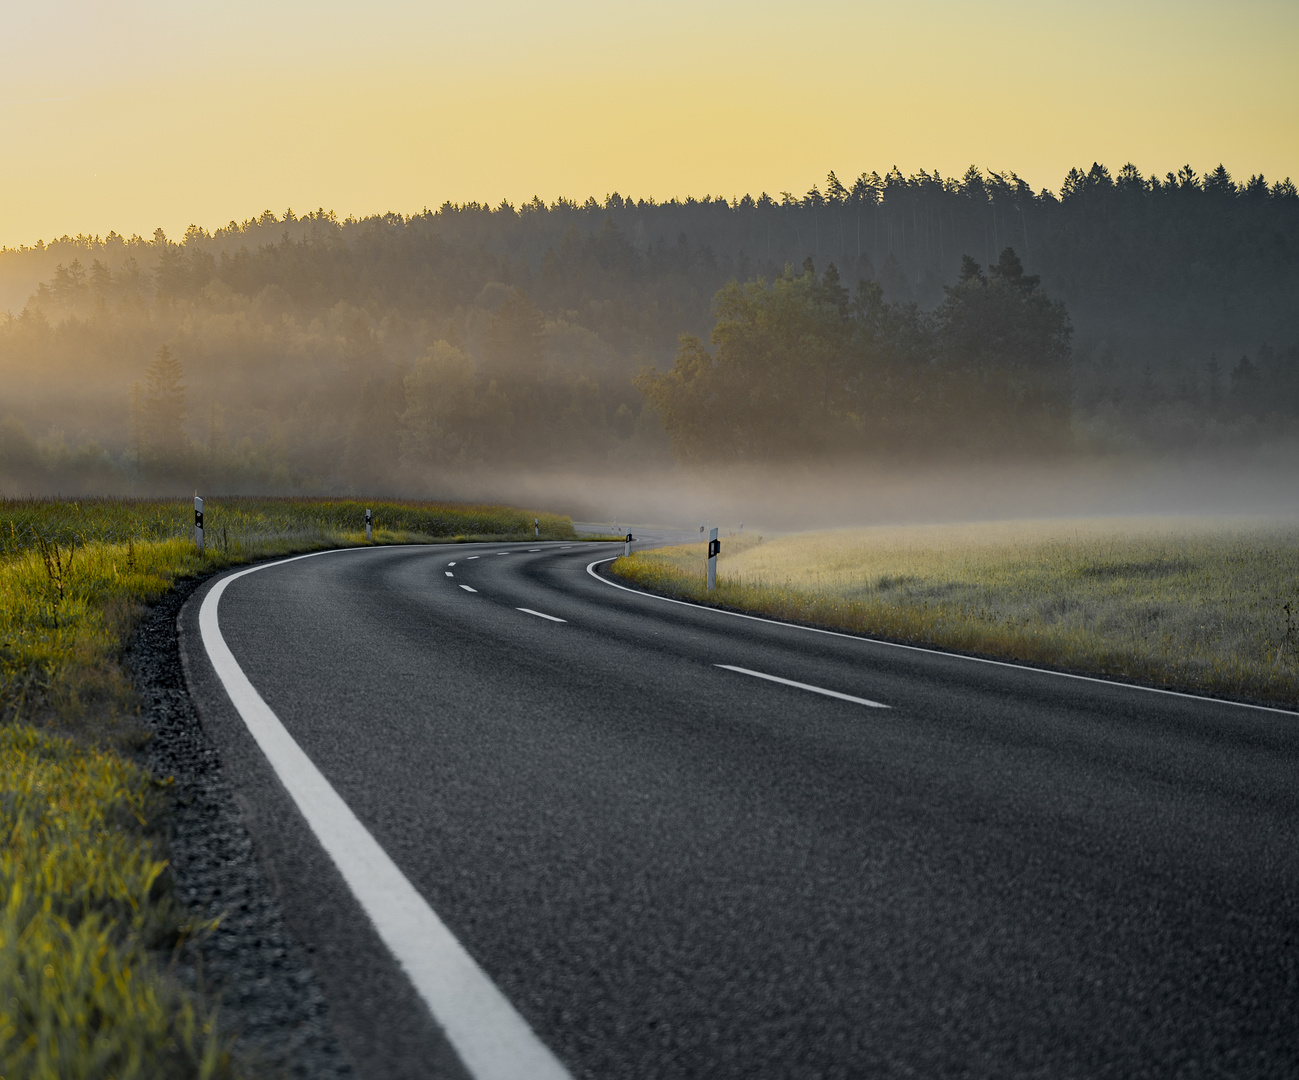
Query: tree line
(858, 318)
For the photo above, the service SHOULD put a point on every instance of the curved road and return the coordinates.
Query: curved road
(686, 844)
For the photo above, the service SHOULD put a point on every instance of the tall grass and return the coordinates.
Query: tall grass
(1206, 605)
(82, 914)
(83, 886)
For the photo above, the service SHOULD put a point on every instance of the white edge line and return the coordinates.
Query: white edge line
(493, 1041)
(804, 686)
(937, 652)
(541, 614)
(468, 589)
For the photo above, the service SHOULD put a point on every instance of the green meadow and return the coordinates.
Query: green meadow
(1207, 605)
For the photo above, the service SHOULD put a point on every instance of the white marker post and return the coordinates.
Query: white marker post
(198, 524)
(536, 528)
(714, 549)
(626, 547)
(369, 521)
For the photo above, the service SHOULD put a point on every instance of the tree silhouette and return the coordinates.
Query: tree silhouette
(162, 410)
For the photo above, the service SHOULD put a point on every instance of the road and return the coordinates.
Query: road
(671, 864)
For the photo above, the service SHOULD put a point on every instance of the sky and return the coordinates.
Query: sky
(131, 115)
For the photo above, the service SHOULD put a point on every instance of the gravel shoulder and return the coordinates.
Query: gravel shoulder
(251, 964)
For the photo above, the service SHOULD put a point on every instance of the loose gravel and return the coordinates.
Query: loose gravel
(250, 964)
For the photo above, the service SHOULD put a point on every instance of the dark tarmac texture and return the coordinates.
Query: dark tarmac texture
(676, 870)
(250, 966)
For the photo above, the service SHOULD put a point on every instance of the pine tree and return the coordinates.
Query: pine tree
(162, 433)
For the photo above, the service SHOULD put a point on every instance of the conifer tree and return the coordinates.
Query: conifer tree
(162, 420)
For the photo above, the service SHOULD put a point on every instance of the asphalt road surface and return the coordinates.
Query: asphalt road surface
(676, 855)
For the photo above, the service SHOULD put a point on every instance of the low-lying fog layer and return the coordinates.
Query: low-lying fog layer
(818, 496)
(798, 499)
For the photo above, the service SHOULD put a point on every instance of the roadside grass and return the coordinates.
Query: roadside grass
(87, 914)
(1205, 605)
(83, 914)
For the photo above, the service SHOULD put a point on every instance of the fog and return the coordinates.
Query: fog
(782, 501)
(897, 349)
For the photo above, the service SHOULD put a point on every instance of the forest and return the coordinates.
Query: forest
(888, 318)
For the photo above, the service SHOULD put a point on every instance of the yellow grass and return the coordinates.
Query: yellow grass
(1202, 604)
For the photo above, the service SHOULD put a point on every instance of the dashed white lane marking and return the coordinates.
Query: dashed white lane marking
(541, 614)
(491, 1038)
(468, 589)
(450, 564)
(448, 573)
(804, 686)
(473, 557)
(503, 553)
(534, 549)
(590, 569)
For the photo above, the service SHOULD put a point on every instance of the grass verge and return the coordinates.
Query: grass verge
(87, 915)
(1196, 604)
(84, 915)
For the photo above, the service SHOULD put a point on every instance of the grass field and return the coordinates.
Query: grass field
(85, 914)
(1201, 604)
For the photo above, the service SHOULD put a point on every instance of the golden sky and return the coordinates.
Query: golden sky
(135, 114)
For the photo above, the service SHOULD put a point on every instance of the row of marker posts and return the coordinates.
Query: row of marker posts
(198, 524)
(536, 531)
(714, 549)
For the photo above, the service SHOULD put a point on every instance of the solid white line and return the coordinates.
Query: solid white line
(491, 1038)
(804, 686)
(540, 614)
(448, 573)
(468, 589)
(590, 569)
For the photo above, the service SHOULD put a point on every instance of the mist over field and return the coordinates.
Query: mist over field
(891, 349)
(833, 496)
